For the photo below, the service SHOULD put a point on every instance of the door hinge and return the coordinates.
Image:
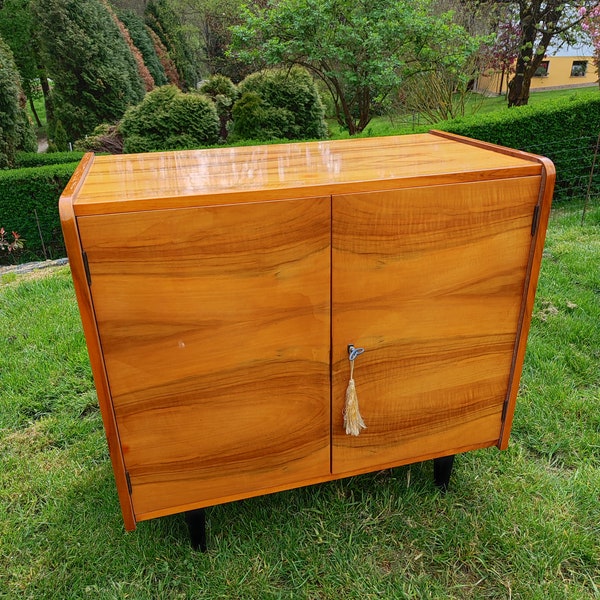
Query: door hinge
(86, 266)
(536, 220)
(128, 478)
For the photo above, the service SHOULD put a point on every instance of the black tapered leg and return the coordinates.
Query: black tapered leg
(196, 522)
(442, 469)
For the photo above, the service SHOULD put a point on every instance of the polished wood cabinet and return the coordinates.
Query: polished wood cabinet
(220, 290)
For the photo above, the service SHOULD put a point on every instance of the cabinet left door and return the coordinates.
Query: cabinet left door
(214, 324)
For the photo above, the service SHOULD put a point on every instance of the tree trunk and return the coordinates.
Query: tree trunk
(34, 112)
(344, 115)
(518, 86)
(535, 19)
(47, 98)
(364, 109)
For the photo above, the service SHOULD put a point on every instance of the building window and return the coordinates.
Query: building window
(542, 70)
(579, 68)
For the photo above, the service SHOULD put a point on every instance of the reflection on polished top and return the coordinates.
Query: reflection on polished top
(275, 172)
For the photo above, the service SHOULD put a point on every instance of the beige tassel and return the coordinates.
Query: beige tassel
(353, 422)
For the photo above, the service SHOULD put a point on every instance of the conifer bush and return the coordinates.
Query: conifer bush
(279, 103)
(16, 131)
(168, 119)
(143, 42)
(94, 72)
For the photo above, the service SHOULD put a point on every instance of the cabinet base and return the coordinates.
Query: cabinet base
(196, 519)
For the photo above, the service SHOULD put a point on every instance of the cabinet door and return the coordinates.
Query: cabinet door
(430, 282)
(214, 325)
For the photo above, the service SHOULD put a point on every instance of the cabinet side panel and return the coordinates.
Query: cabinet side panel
(86, 309)
(430, 282)
(537, 249)
(215, 328)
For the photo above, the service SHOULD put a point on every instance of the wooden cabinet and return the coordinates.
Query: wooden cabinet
(220, 289)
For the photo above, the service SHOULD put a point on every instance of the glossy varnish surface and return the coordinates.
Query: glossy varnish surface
(275, 172)
(214, 325)
(429, 282)
(227, 284)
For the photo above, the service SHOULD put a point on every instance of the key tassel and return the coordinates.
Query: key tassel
(353, 421)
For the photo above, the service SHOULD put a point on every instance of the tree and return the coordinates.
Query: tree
(16, 29)
(361, 50)
(142, 40)
(167, 63)
(138, 6)
(591, 25)
(170, 28)
(95, 75)
(221, 90)
(209, 21)
(502, 54)
(541, 22)
(15, 129)
(143, 71)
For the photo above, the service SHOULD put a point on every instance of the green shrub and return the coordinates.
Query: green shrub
(29, 205)
(254, 119)
(25, 133)
(279, 103)
(35, 159)
(565, 131)
(168, 119)
(59, 138)
(218, 85)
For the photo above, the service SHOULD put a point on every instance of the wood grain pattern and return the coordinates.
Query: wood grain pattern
(210, 322)
(86, 309)
(429, 282)
(214, 325)
(278, 172)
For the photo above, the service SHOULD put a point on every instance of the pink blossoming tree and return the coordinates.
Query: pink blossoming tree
(591, 25)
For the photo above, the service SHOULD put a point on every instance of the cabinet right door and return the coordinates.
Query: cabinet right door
(430, 282)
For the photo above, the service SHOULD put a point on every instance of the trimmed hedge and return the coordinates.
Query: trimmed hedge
(565, 131)
(35, 159)
(25, 192)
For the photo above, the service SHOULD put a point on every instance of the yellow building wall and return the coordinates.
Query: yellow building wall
(558, 75)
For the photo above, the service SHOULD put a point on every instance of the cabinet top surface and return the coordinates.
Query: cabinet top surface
(105, 184)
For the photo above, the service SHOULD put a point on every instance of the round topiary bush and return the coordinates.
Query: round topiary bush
(168, 119)
(279, 103)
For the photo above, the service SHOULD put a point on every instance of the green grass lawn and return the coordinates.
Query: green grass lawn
(524, 523)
